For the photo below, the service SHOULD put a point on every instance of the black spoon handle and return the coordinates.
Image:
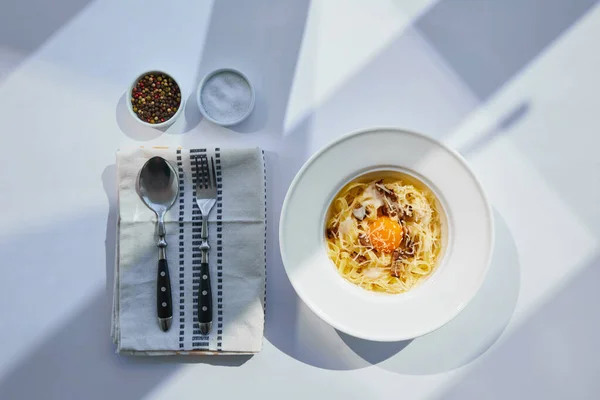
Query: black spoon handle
(204, 300)
(164, 306)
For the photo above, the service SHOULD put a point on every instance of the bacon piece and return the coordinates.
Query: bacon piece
(390, 204)
(384, 191)
(364, 240)
(359, 258)
(396, 266)
(332, 232)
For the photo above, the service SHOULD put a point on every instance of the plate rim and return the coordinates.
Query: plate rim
(465, 165)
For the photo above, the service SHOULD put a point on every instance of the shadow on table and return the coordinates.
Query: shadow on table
(553, 355)
(503, 126)
(488, 42)
(262, 39)
(78, 360)
(373, 352)
(21, 33)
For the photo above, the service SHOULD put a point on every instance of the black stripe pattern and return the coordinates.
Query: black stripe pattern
(265, 247)
(219, 249)
(181, 251)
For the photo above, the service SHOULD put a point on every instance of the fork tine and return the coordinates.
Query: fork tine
(214, 174)
(200, 173)
(208, 177)
(197, 174)
(205, 171)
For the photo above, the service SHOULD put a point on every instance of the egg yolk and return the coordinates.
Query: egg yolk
(385, 234)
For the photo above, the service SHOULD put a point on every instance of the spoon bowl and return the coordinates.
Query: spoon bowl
(158, 185)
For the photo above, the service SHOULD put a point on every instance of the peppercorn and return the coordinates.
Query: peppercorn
(156, 97)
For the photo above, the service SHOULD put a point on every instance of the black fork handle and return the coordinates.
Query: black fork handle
(204, 300)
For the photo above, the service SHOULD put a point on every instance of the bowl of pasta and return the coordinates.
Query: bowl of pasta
(386, 234)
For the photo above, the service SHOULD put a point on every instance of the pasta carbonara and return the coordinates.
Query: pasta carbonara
(384, 235)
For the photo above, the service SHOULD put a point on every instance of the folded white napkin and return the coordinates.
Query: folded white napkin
(237, 259)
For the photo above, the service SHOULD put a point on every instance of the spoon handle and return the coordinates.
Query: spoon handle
(164, 306)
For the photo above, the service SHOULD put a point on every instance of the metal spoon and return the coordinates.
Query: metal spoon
(158, 187)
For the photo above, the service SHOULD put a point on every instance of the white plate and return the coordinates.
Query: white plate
(367, 314)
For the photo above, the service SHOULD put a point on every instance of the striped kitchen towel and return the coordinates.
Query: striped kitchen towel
(237, 259)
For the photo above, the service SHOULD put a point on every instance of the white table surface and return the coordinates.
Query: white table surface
(513, 85)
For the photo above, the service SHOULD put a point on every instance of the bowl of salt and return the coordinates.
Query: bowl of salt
(225, 97)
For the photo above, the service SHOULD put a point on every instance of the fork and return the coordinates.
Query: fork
(206, 197)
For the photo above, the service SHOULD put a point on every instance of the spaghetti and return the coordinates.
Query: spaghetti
(384, 235)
